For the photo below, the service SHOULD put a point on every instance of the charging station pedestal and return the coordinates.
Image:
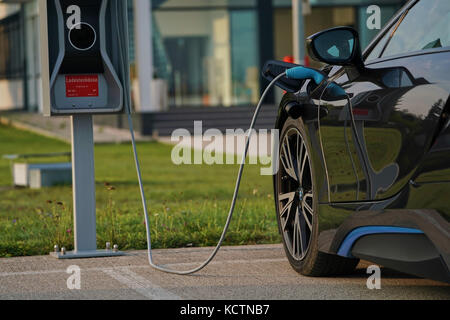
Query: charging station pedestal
(85, 71)
(84, 204)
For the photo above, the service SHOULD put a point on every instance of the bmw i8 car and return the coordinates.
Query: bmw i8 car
(366, 175)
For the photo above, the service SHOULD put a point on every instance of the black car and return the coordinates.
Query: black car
(366, 175)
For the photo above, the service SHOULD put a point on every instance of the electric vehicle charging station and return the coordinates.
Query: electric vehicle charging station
(85, 72)
(84, 59)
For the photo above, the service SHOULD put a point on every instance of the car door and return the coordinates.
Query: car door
(374, 144)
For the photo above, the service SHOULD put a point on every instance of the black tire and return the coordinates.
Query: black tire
(298, 224)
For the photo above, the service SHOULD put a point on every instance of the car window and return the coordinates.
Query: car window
(378, 48)
(426, 26)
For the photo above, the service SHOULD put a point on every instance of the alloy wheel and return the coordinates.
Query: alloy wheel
(295, 194)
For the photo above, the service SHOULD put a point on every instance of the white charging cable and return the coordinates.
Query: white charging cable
(233, 203)
(121, 17)
(121, 33)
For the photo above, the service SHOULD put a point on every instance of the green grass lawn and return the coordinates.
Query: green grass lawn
(188, 204)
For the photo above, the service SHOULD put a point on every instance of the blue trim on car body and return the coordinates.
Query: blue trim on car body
(347, 245)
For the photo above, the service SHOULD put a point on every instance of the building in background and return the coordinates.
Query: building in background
(12, 60)
(206, 53)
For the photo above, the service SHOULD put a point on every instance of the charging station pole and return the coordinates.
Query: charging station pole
(84, 204)
(83, 183)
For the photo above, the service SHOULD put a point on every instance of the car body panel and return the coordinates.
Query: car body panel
(397, 108)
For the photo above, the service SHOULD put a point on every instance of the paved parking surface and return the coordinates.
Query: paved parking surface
(251, 272)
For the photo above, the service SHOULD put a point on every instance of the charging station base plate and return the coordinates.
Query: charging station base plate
(86, 254)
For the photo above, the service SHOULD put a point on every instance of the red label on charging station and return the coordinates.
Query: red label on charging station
(82, 86)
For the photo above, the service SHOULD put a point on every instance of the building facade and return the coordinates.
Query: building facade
(206, 53)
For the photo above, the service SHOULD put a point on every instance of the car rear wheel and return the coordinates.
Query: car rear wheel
(297, 203)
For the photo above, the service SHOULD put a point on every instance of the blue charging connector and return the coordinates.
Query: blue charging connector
(304, 73)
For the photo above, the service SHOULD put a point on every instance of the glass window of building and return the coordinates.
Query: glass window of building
(317, 19)
(11, 47)
(325, 14)
(207, 51)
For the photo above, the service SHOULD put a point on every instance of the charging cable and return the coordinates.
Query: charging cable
(233, 203)
(299, 73)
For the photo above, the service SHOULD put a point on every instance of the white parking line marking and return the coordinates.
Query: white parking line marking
(42, 272)
(140, 284)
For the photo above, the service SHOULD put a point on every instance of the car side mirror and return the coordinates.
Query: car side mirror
(338, 46)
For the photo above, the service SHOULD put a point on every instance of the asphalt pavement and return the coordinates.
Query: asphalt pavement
(238, 273)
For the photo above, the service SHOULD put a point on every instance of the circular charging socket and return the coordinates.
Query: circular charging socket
(82, 36)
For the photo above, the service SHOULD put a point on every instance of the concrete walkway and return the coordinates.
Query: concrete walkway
(59, 128)
(260, 145)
